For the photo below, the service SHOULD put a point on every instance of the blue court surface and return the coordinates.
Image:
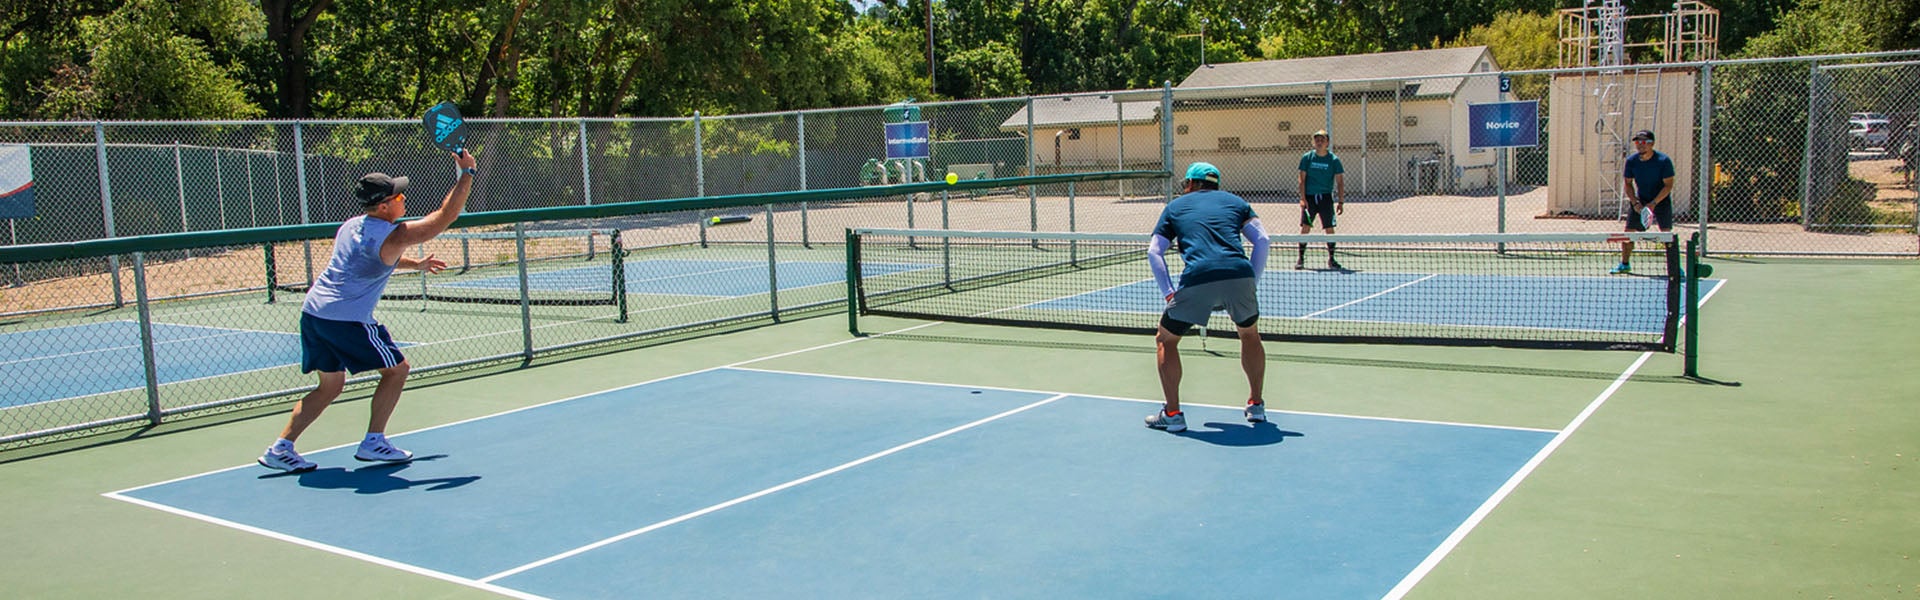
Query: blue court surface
(716, 278)
(1564, 303)
(744, 483)
(63, 362)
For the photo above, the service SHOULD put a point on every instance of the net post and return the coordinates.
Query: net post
(619, 254)
(271, 279)
(1674, 283)
(1693, 306)
(853, 282)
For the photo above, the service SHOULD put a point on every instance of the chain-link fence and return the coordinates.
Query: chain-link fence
(1753, 170)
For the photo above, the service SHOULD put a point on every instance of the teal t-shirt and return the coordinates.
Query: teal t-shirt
(1320, 171)
(1206, 226)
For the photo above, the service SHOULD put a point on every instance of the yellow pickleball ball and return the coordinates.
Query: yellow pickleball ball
(953, 178)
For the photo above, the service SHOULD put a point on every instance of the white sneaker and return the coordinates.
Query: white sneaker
(1173, 423)
(288, 461)
(381, 451)
(1256, 412)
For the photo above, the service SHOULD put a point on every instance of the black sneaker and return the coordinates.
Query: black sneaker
(1335, 265)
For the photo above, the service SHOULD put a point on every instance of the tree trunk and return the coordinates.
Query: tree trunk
(289, 35)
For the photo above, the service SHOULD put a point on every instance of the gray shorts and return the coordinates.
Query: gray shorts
(1195, 304)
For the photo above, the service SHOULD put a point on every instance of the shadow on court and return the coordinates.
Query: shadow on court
(1239, 434)
(374, 479)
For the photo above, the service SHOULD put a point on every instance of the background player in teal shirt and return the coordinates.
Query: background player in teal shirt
(1323, 193)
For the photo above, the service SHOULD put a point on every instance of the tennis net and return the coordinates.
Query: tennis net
(1518, 290)
(565, 267)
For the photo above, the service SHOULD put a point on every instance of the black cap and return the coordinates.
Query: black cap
(1643, 135)
(374, 188)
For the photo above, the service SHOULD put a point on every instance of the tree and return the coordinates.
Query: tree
(142, 65)
(288, 22)
(1519, 41)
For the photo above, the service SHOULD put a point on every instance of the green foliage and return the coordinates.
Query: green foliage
(992, 70)
(530, 58)
(144, 67)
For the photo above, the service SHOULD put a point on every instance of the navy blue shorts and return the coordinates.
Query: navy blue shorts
(1662, 215)
(331, 346)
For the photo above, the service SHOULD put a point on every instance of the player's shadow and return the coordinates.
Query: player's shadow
(375, 479)
(1239, 434)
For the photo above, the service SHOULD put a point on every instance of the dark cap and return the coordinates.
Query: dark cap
(374, 188)
(1643, 135)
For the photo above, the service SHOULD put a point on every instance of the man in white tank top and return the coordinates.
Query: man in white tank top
(338, 334)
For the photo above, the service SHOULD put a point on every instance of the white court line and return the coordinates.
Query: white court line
(1368, 297)
(1270, 408)
(762, 493)
(1460, 533)
(417, 570)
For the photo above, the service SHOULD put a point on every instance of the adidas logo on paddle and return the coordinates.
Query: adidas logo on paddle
(443, 127)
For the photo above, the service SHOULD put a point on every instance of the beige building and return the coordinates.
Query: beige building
(1400, 130)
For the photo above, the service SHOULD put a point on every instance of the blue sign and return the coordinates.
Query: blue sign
(1506, 84)
(16, 182)
(1503, 124)
(907, 140)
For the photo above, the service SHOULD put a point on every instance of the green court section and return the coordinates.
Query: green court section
(1796, 483)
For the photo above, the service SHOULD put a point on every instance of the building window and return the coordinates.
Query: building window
(1299, 141)
(1377, 139)
(1229, 143)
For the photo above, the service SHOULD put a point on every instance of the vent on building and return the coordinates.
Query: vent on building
(1229, 143)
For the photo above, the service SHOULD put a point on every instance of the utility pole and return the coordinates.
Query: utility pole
(929, 44)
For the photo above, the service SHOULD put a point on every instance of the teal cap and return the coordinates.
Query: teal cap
(1203, 172)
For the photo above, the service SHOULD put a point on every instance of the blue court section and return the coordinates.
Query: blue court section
(1070, 497)
(64, 362)
(1565, 303)
(718, 278)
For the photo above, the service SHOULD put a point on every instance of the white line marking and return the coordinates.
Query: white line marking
(1270, 407)
(1366, 298)
(761, 493)
(329, 548)
(1460, 533)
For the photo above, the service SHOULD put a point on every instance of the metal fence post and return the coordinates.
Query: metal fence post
(146, 337)
(773, 271)
(300, 181)
(526, 303)
(586, 165)
(1166, 135)
(1806, 155)
(700, 174)
(1703, 177)
(106, 205)
(805, 240)
(1033, 196)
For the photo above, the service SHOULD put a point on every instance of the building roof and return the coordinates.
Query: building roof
(1411, 63)
(1075, 111)
(1267, 79)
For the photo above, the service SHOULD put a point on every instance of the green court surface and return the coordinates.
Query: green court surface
(1793, 472)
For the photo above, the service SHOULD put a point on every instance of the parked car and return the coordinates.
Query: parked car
(1866, 116)
(1867, 133)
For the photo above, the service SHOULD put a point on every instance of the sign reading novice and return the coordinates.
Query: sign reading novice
(1503, 124)
(907, 140)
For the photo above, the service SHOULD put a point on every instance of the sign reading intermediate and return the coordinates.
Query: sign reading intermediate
(907, 140)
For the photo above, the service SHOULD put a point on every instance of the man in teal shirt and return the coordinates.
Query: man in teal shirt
(1323, 194)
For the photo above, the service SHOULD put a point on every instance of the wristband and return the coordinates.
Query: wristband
(470, 171)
